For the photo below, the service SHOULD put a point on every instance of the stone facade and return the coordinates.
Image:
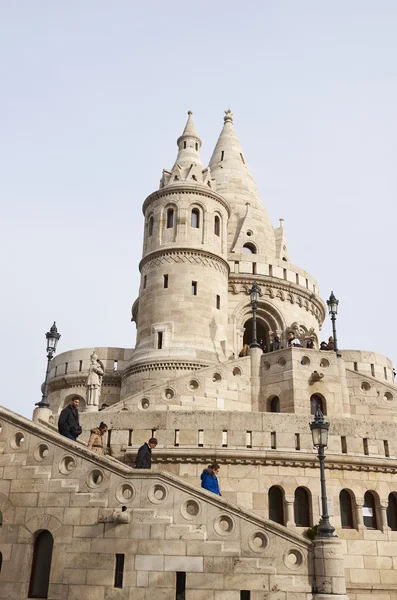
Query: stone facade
(207, 237)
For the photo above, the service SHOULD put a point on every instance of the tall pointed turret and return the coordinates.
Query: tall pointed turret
(189, 144)
(188, 166)
(235, 182)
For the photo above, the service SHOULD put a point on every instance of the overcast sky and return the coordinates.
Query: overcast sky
(93, 97)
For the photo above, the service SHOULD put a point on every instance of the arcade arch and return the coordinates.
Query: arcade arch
(269, 322)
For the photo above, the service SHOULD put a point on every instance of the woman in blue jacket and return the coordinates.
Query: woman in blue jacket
(209, 479)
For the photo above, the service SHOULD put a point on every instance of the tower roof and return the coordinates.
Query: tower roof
(190, 130)
(235, 182)
(189, 145)
(187, 167)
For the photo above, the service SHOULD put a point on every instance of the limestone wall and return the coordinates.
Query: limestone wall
(95, 508)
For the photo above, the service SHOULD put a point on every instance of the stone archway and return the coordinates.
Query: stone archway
(262, 332)
(270, 322)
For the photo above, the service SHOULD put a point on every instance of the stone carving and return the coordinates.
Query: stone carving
(94, 382)
(179, 256)
(316, 376)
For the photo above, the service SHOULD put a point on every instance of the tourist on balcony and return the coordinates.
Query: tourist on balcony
(96, 441)
(310, 344)
(144, 457)
(245, 350)
(276, 344)
(293, 341)
(262, 345)
(323, 346)
(331, 345)
(209, 479)
(68, 422)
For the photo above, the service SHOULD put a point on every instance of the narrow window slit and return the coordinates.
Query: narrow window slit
(365, 445)
(119, 571)
(176, 437)
(386, 447)
(200, 438)
(248, 439)
(159, 340)
(224, 438)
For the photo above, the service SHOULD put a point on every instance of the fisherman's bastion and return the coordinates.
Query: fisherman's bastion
(78, 526)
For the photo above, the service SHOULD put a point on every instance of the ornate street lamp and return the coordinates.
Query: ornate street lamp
(254, 295)
(319, 428)
(332, 304)
(52, 337)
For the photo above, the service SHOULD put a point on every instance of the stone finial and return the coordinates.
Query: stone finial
(228, 118)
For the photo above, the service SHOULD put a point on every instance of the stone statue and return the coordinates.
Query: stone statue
(94, 382)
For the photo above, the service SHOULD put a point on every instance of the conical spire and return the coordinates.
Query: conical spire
(190, 129)
(187, 167)
(189, 145)
(228, 152)
(235, 182)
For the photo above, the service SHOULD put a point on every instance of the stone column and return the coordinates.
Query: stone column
(255, 356)
(359, 517)
(289, 512)
(383, 508)
(42, 414)
(329, 570)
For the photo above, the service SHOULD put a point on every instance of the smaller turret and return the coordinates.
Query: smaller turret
(188, 167)
(281, 242)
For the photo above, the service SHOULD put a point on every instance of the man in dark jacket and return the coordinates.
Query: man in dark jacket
(144, 457)
(68, 422)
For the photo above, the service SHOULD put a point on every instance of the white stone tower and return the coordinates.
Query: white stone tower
(182, 311)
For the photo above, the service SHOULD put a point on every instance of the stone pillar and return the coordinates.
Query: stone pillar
(289, 512)
(42, 414)
(329, 570)
(383, 509)
(345, 396)
(359, 517)
(255, 356)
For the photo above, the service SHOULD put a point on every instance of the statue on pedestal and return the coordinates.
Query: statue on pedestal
(94, 382)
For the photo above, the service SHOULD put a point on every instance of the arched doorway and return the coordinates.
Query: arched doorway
(262, 333)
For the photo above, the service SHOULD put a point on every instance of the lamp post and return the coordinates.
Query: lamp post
(254, 295)
(52, 337)
(332, 304)
(319, 428)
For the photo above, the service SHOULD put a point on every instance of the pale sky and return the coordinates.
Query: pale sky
(93, 97)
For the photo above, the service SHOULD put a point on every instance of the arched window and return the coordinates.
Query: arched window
(217, 225)
(369, 511)
(302, 508)
(317, 400)
(275, 404)
(392, 512)
(41, 566)
(249, 249)
(346, 510)
(195, 218)
(150, 227)
(276, 505)
(170, 218)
